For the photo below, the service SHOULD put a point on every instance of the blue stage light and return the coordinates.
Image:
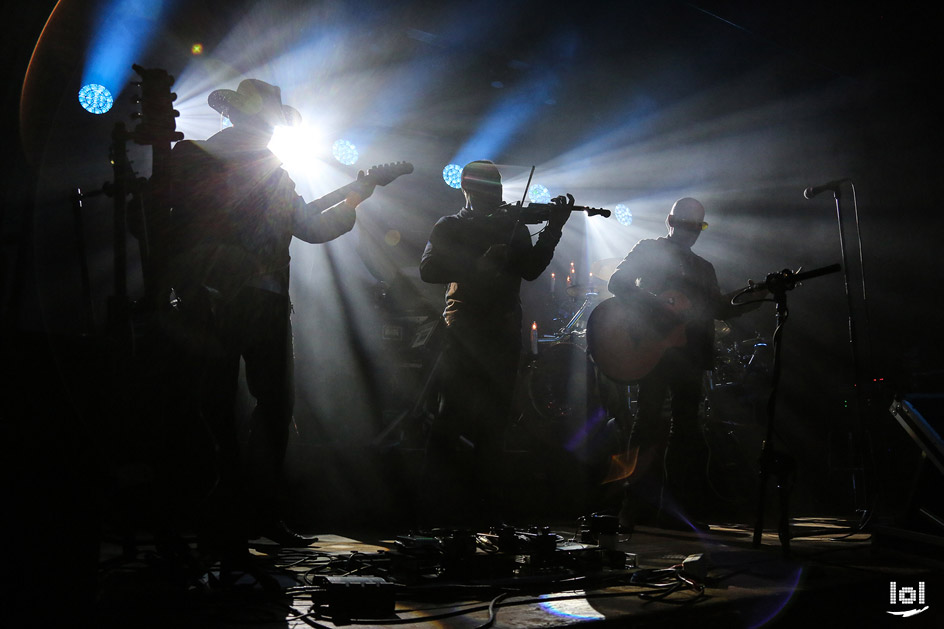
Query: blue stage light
(345, 152)
(120, 31)
(623, 215)
(95, 98)
(539, 194)
(452, 175)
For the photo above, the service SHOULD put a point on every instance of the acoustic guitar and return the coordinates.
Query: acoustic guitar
(627, 337)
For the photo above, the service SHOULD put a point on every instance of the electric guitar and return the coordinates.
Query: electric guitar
(227, 267)
(158, 129)
(376, 176)
(627, 337)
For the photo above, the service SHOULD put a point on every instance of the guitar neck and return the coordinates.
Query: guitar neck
(333, 198)
(376, 176)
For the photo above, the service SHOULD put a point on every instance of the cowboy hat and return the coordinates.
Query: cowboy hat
(251, 97)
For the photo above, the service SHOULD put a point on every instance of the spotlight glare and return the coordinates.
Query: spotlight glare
(345, 152)
(197, 49)
(452, 175)
(623, 215)
(95, 98)
(292, 145)
(539, 194)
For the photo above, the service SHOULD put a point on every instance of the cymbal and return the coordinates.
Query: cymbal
(603, 269)
(576, 290)
(722, 329)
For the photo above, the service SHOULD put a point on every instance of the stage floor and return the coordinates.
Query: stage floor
(545, 577)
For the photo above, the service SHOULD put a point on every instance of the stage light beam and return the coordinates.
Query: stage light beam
(122, 31)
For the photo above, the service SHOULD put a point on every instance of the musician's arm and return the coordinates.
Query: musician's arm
(623, 281)
(330, 216)
(646, 305)
(530, 261)
(623, 286)
(315, 225)
(352, 195)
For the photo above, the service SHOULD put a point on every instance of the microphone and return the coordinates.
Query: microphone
(788, 278)
(812, 191)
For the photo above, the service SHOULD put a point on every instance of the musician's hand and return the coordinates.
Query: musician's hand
(652, 309)
(495, 259)
(561, 211)
(362, 191)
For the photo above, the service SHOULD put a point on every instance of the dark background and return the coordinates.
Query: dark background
(740, 104)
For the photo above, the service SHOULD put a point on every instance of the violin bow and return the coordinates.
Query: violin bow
(521, 204)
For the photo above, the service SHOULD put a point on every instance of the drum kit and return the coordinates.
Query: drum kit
(559, 378)
(745, 364)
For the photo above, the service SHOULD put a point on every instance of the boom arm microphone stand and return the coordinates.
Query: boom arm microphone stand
(776, 463)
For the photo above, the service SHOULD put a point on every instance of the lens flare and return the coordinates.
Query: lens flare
(392, 238)
(293, 145)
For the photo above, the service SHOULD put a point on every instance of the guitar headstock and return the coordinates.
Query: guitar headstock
(158, 124)
(385, 173)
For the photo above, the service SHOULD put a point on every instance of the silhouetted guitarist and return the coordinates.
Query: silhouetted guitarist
(658, 331)
(235, 213)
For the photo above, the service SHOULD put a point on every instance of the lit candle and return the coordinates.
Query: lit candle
(553, 282)
(534, 338)
(572, 271)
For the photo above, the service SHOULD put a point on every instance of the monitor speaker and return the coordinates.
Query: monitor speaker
(920, 528)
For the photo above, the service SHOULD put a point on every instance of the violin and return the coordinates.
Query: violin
(534, 213)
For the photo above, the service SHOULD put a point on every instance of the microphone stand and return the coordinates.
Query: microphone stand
(88, 308)
(778, 464)
(862, 398)
(845, 281)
